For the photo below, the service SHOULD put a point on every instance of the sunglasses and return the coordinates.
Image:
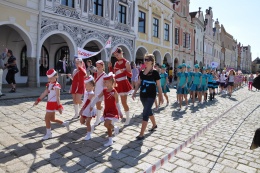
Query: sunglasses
(146, 59)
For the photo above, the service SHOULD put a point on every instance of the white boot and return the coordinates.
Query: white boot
(48, 134)
(116, 130)
(67, 125)
(92, 128)
(76, 108)
(110, 142)
(127, 121)
(98, 113)
(88, 136)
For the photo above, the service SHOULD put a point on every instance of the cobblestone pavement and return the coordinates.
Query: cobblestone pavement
(223, 148)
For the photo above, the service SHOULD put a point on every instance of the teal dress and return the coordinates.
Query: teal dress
(163, 81)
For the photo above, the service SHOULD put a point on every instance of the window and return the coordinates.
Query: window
(122, 14)
(177, 36)
(62, 52)
(44, 62)
(85, 5)
(69, 3)
(187, 41)
(184, 43)
(98, 7)
(24, 62)
(141, 22)
(166, 32)
(155, 27)
(197, 44)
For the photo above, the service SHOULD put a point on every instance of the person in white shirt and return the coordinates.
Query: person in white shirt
(222, 81)
(62, 71)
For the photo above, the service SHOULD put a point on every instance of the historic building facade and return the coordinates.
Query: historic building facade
(227, 44)
(44, 32)
(208, 39)
(246, 60)
(217, 54)
(198, 19)
(183, 42)
(153, 21)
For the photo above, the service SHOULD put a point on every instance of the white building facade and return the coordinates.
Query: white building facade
(56, 28)
(208, 39)
(198, 20)
(217, 44)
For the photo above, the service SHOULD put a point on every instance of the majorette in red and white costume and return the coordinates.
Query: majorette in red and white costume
(86, 105)
(78, 86)
(99, 86)
(123, 86)
(86, 112)
(52, 104)
(112, 109)
(78, 75)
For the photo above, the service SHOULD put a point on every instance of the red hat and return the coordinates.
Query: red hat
(88, 79)
(50, 73)
(100, 62)
(109, 76)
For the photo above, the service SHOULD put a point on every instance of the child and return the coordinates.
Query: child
(53, 104)
(178, 71)
(210, 84)
(164, 82)
(182, 90)
(77, 86)
(112, 109)
(204, 84)
(231, 79)
(86, 114)
(196, 79)
(214, 81)
(189, 84)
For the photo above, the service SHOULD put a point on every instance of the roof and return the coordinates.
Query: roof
(193, 14)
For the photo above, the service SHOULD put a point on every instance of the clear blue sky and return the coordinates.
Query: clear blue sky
(239, 17)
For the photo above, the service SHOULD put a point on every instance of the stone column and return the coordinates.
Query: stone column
(31, 81)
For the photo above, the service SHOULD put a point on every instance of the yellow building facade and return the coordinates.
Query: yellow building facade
(154, 30)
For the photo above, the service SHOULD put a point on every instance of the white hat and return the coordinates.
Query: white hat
(78, 59)
(88, 79)
(108, 76)
(50, 73)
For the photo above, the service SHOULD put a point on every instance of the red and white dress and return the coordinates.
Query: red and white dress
(86, 112)
(99, 83)
(52, 104)
(78, 85)
(110, 111)
(123, 86)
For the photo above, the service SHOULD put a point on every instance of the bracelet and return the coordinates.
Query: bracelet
(60, 107)
(38, 99)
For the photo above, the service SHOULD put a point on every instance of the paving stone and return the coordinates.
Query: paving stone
(198, 168)
(199, 161)
(182, 170)
(246, 169)
(183, 163)
(198, 153)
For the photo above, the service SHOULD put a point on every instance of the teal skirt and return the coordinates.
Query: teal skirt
(167, 89)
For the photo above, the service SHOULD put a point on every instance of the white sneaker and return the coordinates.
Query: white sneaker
(87, 137)
(75, 116)
(109, 143)
(116, 130)
(186, 107)
(67, 125)
(47, 136)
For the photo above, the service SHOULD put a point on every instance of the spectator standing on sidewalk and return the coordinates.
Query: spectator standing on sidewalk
(12, 69)
(250, 81)
(90, 68)
(2, 67)
(62, 68)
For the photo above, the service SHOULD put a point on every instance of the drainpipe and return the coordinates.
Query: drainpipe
(38, 46)
(194, 47)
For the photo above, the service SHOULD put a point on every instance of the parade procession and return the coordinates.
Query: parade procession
(127, 86)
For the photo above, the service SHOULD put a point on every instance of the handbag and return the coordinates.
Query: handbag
(15, 69)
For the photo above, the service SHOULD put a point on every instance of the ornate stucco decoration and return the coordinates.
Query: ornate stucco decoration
(80, 34)
(123, 27)
(98, 19)
(67, 12)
